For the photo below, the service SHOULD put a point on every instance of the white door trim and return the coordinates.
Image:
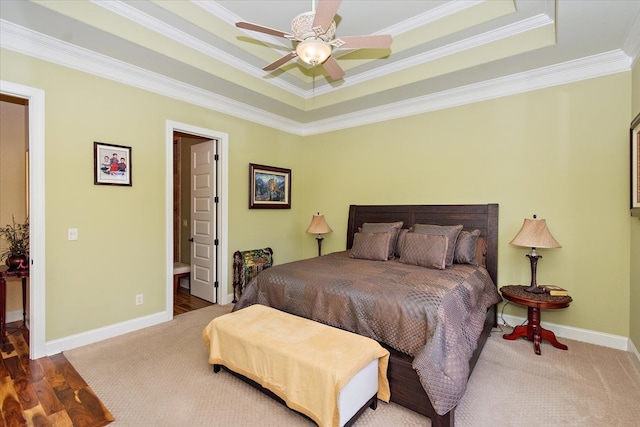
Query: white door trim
(222, 182)
(36, 212)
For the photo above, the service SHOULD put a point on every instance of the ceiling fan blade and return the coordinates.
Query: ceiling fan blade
(288, 57)
(333, 69)
(364, 42)
(325, 11)
(261, 29)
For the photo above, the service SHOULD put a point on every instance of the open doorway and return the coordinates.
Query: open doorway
(14, 193)
(185, 229)
(184, 299)
(34, 101)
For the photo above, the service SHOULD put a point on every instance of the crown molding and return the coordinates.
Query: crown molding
(31, 43)
(501, 33)
(139, 17)
(129, 12)
(568, 72)
(631, 44)
(430, 16)
(23, 40)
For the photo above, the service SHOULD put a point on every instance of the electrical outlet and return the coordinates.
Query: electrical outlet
(139, 299)
(72, 234)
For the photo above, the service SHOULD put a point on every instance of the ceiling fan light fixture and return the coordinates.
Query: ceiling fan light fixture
(313, 51)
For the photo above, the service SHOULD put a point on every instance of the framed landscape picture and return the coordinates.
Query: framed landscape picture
(269, 187)
(111, 164)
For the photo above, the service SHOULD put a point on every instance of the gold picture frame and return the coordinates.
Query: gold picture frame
(269, 187)
(635, 166)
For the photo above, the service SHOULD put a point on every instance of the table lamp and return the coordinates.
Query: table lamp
(534, 234)
(319, 226)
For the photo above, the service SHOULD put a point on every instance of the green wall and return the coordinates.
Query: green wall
(561, 153)
(634, 319)
(92, 282)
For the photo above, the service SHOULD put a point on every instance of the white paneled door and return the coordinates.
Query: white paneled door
(203, 221)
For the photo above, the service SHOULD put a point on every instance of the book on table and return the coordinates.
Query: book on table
(554, 290)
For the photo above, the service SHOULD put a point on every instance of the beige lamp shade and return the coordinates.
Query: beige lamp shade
(319, 225)
(535, 234)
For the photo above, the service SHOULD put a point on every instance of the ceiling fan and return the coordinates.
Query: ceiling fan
(315, 33)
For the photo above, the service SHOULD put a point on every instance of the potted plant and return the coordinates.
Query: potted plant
(17, 237)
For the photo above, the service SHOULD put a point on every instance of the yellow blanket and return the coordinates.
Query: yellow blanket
(303, 362)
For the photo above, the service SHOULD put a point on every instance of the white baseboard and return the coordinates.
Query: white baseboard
(95, 335)
(585, 335)
(633, 349)
(78, 340)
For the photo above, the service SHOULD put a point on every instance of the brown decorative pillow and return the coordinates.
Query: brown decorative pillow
(427, 250)
(450, 231)
(373, 246)
(465, 252)
(383, 227)
(400, 240)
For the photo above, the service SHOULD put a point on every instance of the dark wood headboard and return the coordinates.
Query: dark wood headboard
(472, 217)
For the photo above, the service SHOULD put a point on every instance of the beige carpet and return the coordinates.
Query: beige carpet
(159, 376)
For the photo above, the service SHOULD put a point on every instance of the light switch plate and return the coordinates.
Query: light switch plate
(72, 234)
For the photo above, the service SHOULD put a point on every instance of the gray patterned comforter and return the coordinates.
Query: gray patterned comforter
(436, 316)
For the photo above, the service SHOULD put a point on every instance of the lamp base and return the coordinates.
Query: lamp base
(319, 239)
(534, 257)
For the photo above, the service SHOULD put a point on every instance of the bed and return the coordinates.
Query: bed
(388, 300)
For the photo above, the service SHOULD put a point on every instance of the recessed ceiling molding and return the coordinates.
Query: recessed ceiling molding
(126, 11)
(632, 42)
(554, 75)
(121, 8)
(28, 42)
(529, 24)
(433, 15)
(473, 42)
(215, 9)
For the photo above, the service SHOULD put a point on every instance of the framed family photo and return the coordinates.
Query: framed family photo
(111, 164)
(635, 166)
(269, 187)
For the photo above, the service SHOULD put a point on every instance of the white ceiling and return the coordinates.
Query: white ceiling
(444, 53)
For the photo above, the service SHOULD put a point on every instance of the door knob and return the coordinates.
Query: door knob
(191, 239)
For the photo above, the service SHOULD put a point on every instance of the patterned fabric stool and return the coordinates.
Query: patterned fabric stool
(247, 265)
(180, 270)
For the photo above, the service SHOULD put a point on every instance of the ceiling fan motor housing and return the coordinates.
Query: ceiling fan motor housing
(302, 28)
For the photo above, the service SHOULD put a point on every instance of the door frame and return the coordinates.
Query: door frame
(222, 175)
(36, 214)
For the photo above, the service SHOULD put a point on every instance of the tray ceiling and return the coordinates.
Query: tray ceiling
(444, 53)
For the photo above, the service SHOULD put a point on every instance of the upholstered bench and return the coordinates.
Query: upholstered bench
(180, 270)
(327, 374)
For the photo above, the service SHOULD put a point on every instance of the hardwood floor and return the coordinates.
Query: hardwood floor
(49, 391)
(184, 302)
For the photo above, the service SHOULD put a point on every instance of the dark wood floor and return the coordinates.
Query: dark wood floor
(184, 302)
(49, 391)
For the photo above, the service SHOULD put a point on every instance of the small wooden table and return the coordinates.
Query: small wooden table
(534, 302)
(6, 274)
